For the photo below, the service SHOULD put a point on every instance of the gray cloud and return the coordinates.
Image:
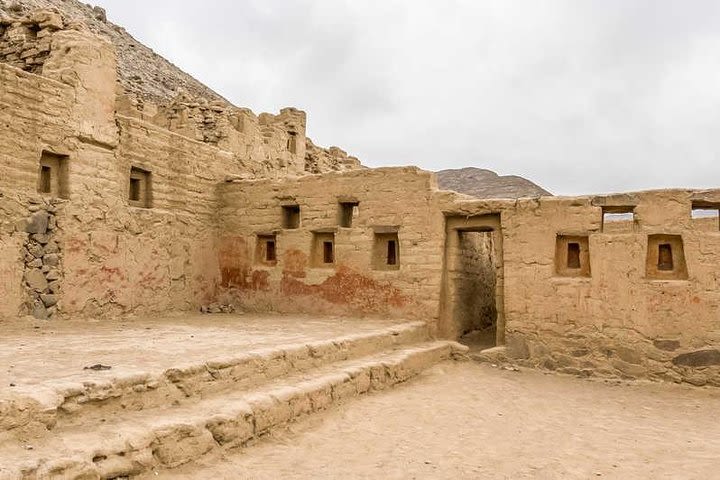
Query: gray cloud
(579, 96)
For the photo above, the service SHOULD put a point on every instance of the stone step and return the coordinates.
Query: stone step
(167, 437)
(33, 410)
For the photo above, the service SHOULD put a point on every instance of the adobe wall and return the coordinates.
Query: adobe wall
(618, 315)
(86, 249)
(90, 253)
(358, 280)
(34, 113)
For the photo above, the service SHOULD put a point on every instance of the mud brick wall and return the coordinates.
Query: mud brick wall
(112, 258)
(623, 317)
(389, 201)
(34, 114)
(122, 258)
(63, 109)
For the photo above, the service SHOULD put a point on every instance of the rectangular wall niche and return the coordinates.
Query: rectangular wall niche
(53, 175)
(323, 249)
(666, 258)
(618, 219)
(266, 250)
(290, 217)
(572, 256)
(706, 216)
(346, 212)
(386, 251)
(140, 189)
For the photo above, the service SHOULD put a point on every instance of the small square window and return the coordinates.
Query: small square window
(53, 175)
(386, 251)
(140, 188)
(346, 213)
(618, 219)
(705, 216)
(266, 250)
(323, 249)
(572, 256)
(666, 258)
(290, 217)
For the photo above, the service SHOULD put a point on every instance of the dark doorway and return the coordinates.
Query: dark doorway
(475, 283)
(472, 305)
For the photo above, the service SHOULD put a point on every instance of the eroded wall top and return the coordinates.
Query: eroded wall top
(154, 90)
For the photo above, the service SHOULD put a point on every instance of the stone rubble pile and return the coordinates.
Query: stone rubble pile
(43, 258)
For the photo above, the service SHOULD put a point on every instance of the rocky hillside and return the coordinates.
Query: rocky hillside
(140, 70)
(482, 183)
(175, 100)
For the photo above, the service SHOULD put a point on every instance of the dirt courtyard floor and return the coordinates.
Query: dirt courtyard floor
(472, 421)
(31, 356)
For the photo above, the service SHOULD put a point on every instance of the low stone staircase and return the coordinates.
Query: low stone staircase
(127, 426)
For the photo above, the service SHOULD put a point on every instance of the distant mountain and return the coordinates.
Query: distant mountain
(483, 183)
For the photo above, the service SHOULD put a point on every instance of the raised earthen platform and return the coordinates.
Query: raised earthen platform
(179, 388)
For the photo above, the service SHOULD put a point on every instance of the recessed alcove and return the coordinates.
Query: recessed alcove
(290, 217)
(266, 249)
(386, 251)
(323, 249)
(665, 258)
(572, 256)
(346, 213)
(140, 188)
(53, 175)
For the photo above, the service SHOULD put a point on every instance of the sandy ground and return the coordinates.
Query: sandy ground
(31, 354)
(473, 421)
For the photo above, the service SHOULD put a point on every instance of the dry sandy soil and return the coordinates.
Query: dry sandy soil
(59, 351)
(466, 420)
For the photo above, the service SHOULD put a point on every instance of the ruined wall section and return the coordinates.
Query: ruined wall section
(97, 254)
(157, 257)
(319, 159)
(265, 145)
(25, 41)
(387, 204)
(35, 114)
(623, 313)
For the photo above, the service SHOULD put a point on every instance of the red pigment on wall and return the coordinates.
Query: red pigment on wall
(233, 261)
(110, 274)
(294, 263)
(348, 287)
(235, 266)
(76, 243)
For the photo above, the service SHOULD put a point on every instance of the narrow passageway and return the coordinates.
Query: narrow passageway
(472, 305)
(476, 281)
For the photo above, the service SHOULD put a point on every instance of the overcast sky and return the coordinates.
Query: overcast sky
(578, 96)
